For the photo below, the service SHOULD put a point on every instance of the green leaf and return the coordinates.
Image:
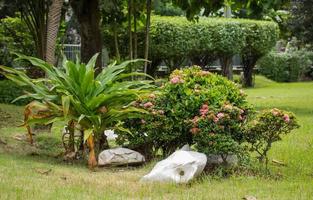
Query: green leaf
(87, 133)
(66, 101)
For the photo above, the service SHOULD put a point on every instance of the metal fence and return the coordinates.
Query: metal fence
(72, 51)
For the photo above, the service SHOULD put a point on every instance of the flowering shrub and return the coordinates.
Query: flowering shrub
(219, 131)
(269, 127)
(190, 92)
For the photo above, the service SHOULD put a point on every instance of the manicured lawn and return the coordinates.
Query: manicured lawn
(21, 164)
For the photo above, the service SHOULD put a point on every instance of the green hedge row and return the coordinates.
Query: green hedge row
(10, 91)
(287, 67)
(176, 36)
(175, 39)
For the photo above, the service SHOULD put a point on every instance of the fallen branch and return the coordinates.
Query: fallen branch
(279, 162)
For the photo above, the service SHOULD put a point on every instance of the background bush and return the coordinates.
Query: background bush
(10, 91)
(287, 66)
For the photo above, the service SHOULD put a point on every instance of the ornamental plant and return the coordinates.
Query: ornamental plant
(168, 125)
(269, 127)
(75, 94)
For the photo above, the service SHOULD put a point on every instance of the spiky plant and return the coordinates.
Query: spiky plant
(74, 93)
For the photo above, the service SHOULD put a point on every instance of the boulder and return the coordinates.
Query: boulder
(180, 167)
(120, 156)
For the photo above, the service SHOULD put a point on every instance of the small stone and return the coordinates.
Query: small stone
(248, 197)
(120, 156)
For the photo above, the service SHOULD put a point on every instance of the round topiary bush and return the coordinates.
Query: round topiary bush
(190, 95)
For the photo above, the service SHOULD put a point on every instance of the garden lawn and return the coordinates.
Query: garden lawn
(39, 173)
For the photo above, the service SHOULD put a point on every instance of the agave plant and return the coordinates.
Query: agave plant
(74, 93)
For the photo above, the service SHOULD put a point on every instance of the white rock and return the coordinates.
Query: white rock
(186, 147)
(180, 167)
(120, 156)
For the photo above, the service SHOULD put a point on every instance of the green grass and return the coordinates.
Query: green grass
(19, 162)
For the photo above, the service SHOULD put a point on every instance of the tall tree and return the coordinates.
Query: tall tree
(148, 6)
(88, 16)
(254, 9)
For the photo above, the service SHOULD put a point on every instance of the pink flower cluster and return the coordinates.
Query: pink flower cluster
(275, 111)
(176, 80)
(148, 105)
(286, 118)
(204, 110)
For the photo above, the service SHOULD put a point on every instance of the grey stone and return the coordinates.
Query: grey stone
(214, 159)
(180, 167)
(120, 156)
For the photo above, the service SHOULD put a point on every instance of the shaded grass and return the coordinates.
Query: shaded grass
(19, 178)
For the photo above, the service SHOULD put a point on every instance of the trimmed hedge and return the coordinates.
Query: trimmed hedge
(173, 39)
(286, 67)
(10, 91)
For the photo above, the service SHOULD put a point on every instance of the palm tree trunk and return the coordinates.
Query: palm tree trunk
(53, 24)
(92, 161)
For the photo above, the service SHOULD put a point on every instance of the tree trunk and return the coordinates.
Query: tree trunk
(130, 4)
(248, 65)
(88, 16)
(117, 51)
(92, 161)
(135, 35)
(227, 68)
(147, 34)
(53, 23)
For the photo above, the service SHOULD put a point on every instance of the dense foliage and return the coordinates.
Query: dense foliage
(287, 66)
(206, 111)
(10, 91)
(301, 20)
(14, 37)
(172, 110)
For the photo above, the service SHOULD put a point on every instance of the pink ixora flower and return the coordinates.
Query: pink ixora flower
(195, 120)
(148, 105)
(220, 115)
(215, 119)
(204, 109)
(286, 118)
(275, 111)
(194, 130)
(176, 79)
